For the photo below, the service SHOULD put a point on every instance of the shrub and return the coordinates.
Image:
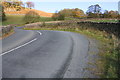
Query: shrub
(31, 17)
(58, 16)
(55, 16)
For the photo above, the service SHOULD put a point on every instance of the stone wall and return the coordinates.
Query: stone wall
(110, 28)
(5, 30)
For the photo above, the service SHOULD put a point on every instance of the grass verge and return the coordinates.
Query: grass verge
(6, 35)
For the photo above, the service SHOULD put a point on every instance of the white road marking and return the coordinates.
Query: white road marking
(39, 32)
(18, 47)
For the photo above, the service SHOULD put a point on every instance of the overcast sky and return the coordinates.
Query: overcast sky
(56, 5)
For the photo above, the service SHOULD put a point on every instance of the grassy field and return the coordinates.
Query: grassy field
(13, 19)
(18, 19)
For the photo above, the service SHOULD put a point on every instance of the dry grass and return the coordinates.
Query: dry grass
(24, 11)
(6, 35)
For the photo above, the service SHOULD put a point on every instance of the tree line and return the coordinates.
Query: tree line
(71, 13)
(94, 11)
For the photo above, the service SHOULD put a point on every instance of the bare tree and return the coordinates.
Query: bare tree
(30, 4)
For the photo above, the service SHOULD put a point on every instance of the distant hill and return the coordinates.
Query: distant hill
(24, 11)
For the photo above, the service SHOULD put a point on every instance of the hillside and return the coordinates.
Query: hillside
(24, 11)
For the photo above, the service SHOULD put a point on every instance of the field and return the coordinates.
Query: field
(19, 19)
(13, 19)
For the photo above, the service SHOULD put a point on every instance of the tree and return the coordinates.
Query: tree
(12, 5)
(2, 13)
(78, 13)
(113, 14)
(119, 7)
(30, 4)
(32, 17)
(55, 16)
(6, 5)
(94, 11)
(17, 5)
(66, 12)
(106, 14)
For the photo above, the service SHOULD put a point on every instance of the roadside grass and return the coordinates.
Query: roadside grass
(6, 35)
(107, 64)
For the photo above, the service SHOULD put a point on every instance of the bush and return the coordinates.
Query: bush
(58, 16)
(31, 17)
(61, 17)
(55, 17)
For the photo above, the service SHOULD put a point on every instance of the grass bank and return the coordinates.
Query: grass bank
(107, 64)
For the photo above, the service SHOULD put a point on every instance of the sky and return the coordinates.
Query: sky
(52, 6)
(73, 0)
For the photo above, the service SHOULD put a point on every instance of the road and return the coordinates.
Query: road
(44, 54)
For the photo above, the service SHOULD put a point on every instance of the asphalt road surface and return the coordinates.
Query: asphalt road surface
(44, 54)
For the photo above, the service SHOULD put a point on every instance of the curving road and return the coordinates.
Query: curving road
(44, 54)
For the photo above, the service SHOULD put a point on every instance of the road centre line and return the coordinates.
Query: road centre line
(18, 47)
(39, 32)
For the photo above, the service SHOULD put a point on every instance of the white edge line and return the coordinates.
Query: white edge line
(18, 47)
(39, 32)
